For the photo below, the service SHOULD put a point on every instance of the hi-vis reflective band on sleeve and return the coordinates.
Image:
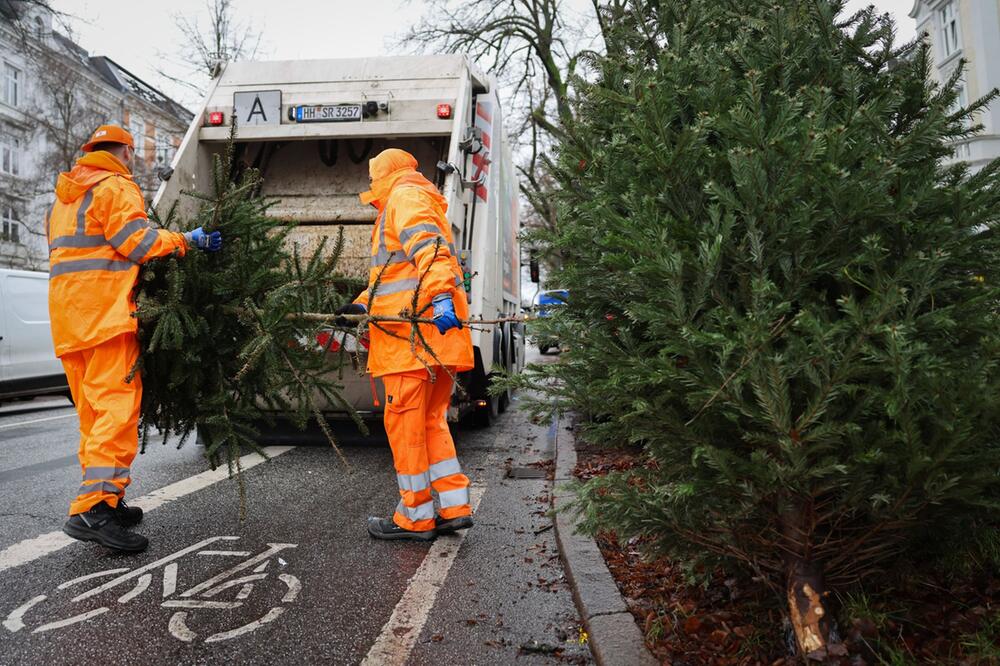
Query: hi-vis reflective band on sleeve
(409, 232)
(129, 229)
(81, 265)
(436, 240)
(144, 245)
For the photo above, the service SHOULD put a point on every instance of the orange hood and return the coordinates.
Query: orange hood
(90, 169)
(393, 167)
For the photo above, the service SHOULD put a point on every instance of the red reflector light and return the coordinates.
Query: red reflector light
(444, 111)
(216, 118)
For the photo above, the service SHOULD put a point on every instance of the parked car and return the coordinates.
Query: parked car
(547, 301)
(28, 364)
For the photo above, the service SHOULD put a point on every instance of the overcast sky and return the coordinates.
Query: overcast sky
(138, 33)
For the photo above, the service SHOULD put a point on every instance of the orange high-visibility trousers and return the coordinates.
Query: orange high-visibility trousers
(109, 418)
(423, 451)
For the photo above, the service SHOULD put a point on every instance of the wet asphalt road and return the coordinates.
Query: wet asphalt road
(314, 587)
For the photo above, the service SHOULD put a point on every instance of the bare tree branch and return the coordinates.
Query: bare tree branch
(204, 48)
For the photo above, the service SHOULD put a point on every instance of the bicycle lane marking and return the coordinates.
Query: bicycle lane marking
(400, 633)
(35, 548)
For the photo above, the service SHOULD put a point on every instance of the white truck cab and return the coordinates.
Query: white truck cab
(311, 126)
(28, 364)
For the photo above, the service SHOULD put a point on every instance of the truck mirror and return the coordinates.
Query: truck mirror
(533, 268)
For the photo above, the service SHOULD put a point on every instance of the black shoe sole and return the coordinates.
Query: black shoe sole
(403, 535)
(453, 525)
(94, 536)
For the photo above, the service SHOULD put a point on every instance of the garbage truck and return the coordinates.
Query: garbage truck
(310, 127)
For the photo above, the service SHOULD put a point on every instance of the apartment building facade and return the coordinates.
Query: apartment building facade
(967, 30)
(53, 94)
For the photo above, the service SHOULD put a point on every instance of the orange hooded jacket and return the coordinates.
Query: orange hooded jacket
(98, 235)
(411, 241)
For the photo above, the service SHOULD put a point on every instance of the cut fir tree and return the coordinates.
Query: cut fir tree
(221, 347)
(783, 292)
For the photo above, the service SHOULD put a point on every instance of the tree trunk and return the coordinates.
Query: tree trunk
(808, 611)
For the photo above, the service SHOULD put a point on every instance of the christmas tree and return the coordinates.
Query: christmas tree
(784, 290)
(223, 347)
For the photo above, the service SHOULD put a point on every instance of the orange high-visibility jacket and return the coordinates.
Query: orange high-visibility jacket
(98, 235)
(411, 238)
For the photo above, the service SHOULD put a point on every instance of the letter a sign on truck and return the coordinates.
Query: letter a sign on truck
(261, 107)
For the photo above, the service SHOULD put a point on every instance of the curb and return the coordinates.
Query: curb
(614, 637)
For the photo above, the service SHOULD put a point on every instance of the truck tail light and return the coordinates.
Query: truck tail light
(444, 111)
(216, 118)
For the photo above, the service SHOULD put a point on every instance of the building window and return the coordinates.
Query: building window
(164, 148)
(11, 84)
(137, 128)
(10, 156)
(950, 43)
(10, 228)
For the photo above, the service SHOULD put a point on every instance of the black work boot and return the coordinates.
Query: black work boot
(384, 528)
(451, 525)
(101, 525)
(128, 516)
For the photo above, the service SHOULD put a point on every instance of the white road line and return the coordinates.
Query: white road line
(47, 418)
(400, 633)
(46, 544)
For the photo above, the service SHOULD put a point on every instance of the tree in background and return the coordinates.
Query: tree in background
(536, 50)
(782, 295)
(206, 47)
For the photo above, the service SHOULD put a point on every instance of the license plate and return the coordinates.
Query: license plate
(328, 113)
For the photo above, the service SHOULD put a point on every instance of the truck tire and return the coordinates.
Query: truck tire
(483, 417)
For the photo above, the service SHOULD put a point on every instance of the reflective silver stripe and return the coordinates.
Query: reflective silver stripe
(451, 498)
(81, 213)
(129, 229)
(105, 473)
(385, 257)
(97, 240)
(423, 511)
(100, 486)
(81, 265)
(425, 243)
(143, 247)
(444, 468)
(414, 482)
(397, 286)
(409, 232)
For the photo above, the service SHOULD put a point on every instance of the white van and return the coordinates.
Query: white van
(28, 363)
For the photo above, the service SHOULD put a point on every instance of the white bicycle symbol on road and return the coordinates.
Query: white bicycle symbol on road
(201, 596)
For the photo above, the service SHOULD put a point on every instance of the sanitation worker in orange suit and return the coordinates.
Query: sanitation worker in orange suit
(412, 238)
(98, 234)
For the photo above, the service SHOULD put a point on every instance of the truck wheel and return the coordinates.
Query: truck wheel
(483, 417)
(543, 350)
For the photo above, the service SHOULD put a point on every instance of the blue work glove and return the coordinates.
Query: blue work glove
(444, 313)
(208, 242)
(349, 309)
